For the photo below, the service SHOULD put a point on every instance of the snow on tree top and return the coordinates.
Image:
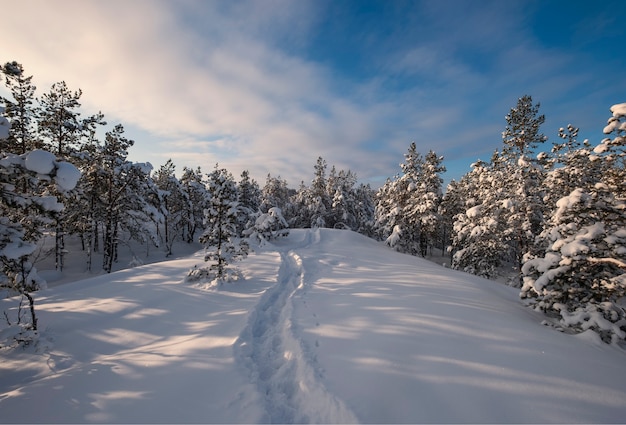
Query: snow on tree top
(67, 176)
(619, 110)
(145, 167)
(40, 161)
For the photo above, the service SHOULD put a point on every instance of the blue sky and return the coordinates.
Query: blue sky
(270, 85)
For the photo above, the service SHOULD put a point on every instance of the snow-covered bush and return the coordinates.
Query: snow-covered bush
(268, 227)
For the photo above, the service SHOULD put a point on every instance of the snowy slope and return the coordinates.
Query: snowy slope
(329, 326)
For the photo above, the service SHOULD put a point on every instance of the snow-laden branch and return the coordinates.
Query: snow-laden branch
(618, 263)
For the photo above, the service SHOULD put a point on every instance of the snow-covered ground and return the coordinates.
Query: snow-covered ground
(328, 326)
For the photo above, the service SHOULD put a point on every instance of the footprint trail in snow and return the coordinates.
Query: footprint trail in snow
(281, 367)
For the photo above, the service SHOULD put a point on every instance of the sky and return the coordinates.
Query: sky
(269, 86)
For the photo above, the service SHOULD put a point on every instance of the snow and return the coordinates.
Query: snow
(474, 212)
(328, 326)
(40, 161)
(16, 249)
(67, 176)
(145, 167)
(49, 203)
(619, 110)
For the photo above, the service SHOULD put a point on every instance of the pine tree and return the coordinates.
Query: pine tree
(581, 275)
(505, 214)
(395, 217)
(60, 127)
(316, 200)
(340, 191)
(452, 204)
(17, 240)
(523, 193)
(477, 241)
(275, 193)
(407, 207)
(173, 201)
(21, 111)
(220, 223)
(79, 220)
(59, 122)
(249, 201)
(125, 198)
(427, 198)
(364, 209)
(197, 196)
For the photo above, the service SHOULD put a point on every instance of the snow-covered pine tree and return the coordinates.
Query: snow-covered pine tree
(78, 220)
(581, 276)
(477, 242)
(340, 186)
(567, 168)
(21, 110)
(364, 209)
(614, 151)
(452, 204)
(173, 202)
(507, 205)
(126, 196)
(275, 193)
(18, 275)
(393, 223)
(406, 211)
(60, 127)
(426, 200)
(249, 202)
(222, 246)
(523, 188)
(313, 203)
(197, 196)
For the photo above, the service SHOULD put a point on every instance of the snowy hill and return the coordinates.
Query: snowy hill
(328, 326)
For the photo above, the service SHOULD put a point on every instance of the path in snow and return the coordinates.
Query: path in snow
(280, 364)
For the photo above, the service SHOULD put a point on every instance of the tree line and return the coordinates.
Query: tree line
(554, 217)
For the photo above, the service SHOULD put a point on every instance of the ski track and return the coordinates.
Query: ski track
(280, 364)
